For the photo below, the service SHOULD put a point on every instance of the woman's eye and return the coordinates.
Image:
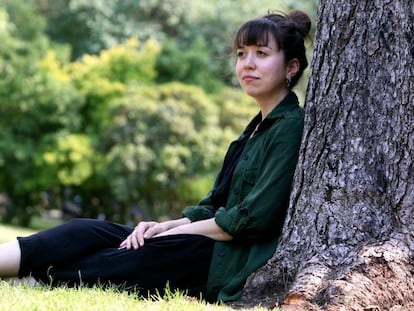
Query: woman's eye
(239, 53)
(261, 53)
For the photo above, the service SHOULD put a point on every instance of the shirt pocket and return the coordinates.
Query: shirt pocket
(249, 180)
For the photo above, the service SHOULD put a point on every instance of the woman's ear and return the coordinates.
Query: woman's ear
(292, 68)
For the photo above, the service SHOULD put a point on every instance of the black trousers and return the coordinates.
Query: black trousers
(85, 252)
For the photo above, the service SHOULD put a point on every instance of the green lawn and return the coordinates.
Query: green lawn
(40, 298)
(22, 297)
(8, 233)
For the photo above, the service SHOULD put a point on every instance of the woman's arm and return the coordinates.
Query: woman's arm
(148, 229)
(208, 228)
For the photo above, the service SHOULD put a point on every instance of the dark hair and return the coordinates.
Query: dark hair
(288, 30)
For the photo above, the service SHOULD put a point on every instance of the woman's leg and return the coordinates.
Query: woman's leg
(181, 261)
(68, 242)
(9, 259)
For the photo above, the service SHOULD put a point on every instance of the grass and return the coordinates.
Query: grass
(43, 298)
(8, 233)
(22, 297)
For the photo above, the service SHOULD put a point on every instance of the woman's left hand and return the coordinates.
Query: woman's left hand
(144, 230)
(149, 229)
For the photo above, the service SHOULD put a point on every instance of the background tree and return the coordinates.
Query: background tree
(72, 70)
(103, 78)
(31, 117)
(197, 33)
(348, 241)
(165, 139)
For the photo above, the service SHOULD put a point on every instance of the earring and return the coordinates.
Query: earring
(288, 82)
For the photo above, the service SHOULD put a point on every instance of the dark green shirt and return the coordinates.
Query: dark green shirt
(257, 200)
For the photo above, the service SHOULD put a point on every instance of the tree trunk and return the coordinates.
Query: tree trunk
(348, 241)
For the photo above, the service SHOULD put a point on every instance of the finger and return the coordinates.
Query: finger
(128, 242)
(142, 231)
(152, 231)
(145, 231)
(139, 235)
(134, 239)
(122, 244)
(149, 233)
(140, 238)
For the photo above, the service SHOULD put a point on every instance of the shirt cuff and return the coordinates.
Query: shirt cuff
(233, 220)
(199, 212)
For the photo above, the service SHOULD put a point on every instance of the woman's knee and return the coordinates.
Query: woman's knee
(80, 223)
(99, 228)
(79, 226)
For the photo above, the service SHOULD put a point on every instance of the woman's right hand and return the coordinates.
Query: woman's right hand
(144, 230)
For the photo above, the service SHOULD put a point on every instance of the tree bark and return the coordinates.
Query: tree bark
(348, 240)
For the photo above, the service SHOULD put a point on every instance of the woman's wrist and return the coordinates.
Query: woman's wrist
(206, 227)
(170, 224)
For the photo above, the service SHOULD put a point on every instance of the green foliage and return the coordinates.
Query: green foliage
(23, 23)
(87, 26)
(190, 66)
(37, 101)
(236, 109)
(162, 138)
(87, 100)
(131, 61)
(69, 160)
(91, 26)
(104, 77)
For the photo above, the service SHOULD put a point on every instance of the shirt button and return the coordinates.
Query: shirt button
(246, 157)
(244, 212)
(221, 253)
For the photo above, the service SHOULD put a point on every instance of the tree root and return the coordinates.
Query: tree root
(380, 278)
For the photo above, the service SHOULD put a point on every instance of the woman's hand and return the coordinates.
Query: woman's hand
(149, 229)
(144, 230)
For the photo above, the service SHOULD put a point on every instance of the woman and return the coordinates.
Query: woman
(234, 230)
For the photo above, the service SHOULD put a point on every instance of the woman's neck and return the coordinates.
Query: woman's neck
(268, 104)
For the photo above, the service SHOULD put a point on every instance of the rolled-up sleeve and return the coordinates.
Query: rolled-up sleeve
(204, 210)
(198, 212)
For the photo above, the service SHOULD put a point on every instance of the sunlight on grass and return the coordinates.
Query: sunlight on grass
(8, 233)
(21, 297)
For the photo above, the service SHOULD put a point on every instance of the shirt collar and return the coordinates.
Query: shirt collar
(287, 104)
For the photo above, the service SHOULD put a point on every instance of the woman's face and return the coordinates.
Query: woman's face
(262, 71)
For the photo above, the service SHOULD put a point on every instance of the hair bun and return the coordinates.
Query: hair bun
(301, 20)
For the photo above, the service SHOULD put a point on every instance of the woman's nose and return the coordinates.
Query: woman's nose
(250, 61)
